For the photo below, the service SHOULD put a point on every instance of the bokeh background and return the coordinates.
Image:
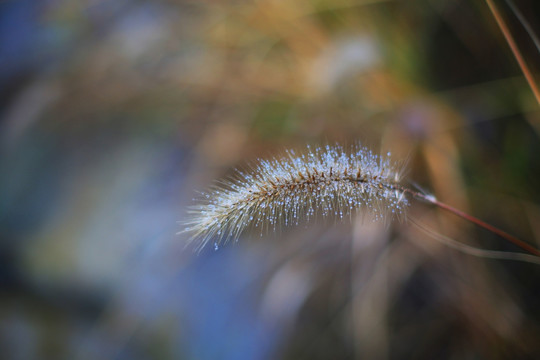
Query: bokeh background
(114, 113)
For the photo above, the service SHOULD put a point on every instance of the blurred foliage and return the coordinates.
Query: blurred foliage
(113, 113)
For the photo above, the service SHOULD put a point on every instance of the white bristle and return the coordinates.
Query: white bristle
(320, 182)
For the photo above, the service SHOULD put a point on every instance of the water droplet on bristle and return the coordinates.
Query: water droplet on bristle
(322, 181)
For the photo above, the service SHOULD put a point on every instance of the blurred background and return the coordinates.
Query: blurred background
(114, 113)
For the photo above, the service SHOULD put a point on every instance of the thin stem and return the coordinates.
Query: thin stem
(470, 250)
(431, 199)
(514, 48)
(525, 24)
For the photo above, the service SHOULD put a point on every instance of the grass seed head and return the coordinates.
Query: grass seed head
(318, 183)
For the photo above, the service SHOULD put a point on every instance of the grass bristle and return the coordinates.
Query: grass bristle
(321, 182)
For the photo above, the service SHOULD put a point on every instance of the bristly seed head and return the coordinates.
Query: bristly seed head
(321, 182)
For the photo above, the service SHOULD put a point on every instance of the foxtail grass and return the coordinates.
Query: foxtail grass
(317, 183)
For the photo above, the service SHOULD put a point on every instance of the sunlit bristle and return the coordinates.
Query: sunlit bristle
(320, 182)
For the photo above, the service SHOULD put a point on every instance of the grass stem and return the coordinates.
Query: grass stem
(431, 199)
(508, 36)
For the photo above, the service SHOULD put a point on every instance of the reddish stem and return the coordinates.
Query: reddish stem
(515, 50)
(474, 220)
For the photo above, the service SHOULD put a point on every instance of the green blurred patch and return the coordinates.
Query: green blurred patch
(275, 118)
